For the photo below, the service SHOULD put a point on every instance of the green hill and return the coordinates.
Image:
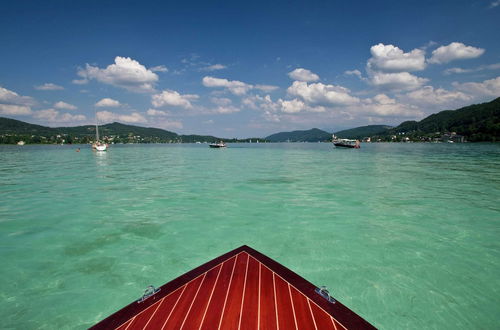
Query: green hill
(477, 122)
(363, 131)
(312, 135)
(12, 131)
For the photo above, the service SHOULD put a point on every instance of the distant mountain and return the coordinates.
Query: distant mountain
(363, 131)
(478, 122)
(312, 135)
(12, 126)
(12, 131)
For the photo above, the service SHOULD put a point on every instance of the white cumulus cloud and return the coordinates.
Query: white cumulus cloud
(214, 67)
(125, 72)
(154, 112)
(108, 103)
(64, 106)
(384, 106)
(54, 116)
(322, 94)
(396, 80)
(173, 98)
(490, 87)
(301, 74)
(292, 106)
(168, 124)
(12, 103)
(389, 58)
(159, 68)
(454, 51)
(429, 95)
(49, 87)
(107, 116)
(14, 109)
(11, 97)
(234, 86)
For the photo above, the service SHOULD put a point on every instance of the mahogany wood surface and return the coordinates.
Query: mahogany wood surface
(242, 289)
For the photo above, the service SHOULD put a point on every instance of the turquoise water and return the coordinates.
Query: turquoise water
(406, 235)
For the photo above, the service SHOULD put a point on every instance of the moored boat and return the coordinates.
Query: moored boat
(346, 143)
(220, 144)
(98, 145)
(240, 289)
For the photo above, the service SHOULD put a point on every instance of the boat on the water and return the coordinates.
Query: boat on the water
(220, 144)
(345, 143)
(98, 145)
(242, 289)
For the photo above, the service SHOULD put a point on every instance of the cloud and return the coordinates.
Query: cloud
(396, 81)
(54, 116)
(107, 116)
(168, 124)
(49, 87)
(494, 66)
(428, 95)
(159, 68)
(454, 51)
(214, 67)
(495, 3)
(223, 101)
(292, 106)
(224, 110)
(266, 88)
(13, 110)
(154, 112)
(389, 58)
(321, 94)
(356, 73)
(234, 86)
(384, 106)
(64, 106)
(80, 81)
(12, 103)
(301, 74)
(107, 102)
(10, 97)
(125, 72)
(490, 88)
(173, 98)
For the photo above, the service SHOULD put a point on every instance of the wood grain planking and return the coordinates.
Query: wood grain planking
(141, 319)
(183, 305)
(284, 303)
(267, 306)
(231, 316)
(323, 319)
(302, 312)
(214, 309)
(194, 318)
(125, 325)
(167, 303)
(249, 315)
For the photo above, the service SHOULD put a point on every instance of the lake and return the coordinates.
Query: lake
(405, 235)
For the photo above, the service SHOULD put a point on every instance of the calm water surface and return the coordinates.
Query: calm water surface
(406, 235)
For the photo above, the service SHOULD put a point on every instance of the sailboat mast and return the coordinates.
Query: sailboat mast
(96, 128)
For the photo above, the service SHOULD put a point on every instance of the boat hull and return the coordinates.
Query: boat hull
(242, 288)
(342, 145)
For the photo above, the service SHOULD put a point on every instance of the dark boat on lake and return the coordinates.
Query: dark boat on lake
(217, 145)
(242, 289)
(346, 143)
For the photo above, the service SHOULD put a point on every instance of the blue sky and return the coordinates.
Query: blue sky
(245, 69)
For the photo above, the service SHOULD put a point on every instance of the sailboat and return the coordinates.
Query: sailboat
(98, 145)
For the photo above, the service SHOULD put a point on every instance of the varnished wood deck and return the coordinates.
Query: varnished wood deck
(242, 289)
